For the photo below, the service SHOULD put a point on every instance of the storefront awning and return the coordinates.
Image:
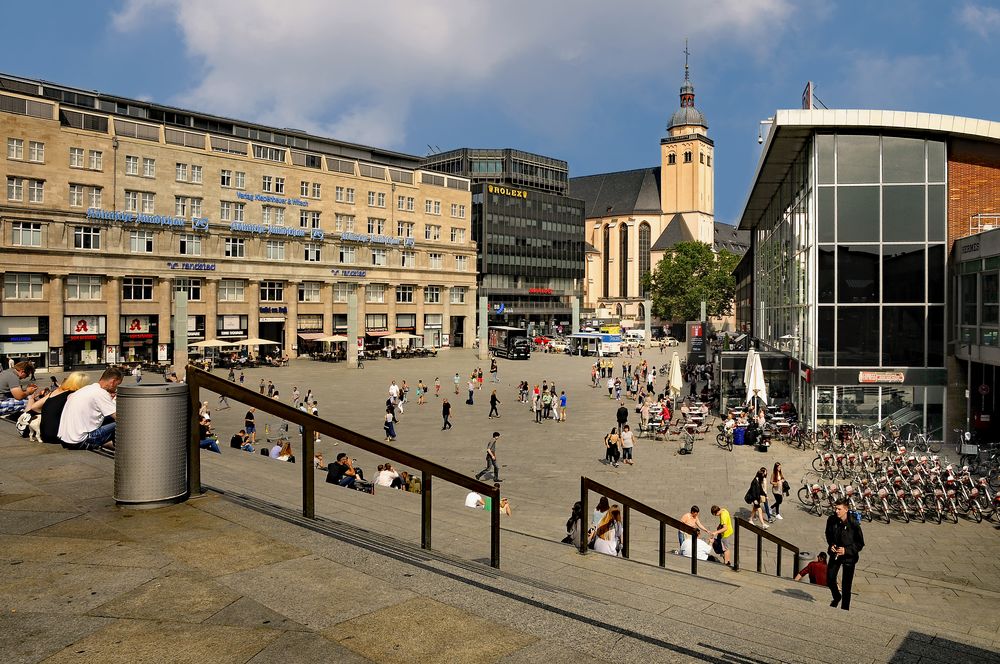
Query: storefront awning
(310, 336)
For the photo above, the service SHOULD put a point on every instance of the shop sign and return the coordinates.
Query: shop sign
(263, 229)
(231, 333)
(540, 291)
(191, 266)
(136, 324)
(274, 310)
(371, 238)
(507, 191)
(272, 319)
(267, 198)
(20, 339)
(349, 273)
(881, 377)
(139, 336)
(83, 337)
(83, 325)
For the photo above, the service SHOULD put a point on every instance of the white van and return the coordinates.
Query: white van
(634, 338)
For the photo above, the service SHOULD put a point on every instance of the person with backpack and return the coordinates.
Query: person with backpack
(756, 496)
(845, 541)
(612, 447)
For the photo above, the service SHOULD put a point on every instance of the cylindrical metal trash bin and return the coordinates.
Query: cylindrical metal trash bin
(151, 444)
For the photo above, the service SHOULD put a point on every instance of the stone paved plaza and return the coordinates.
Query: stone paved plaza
(945, 569)
(235, 577)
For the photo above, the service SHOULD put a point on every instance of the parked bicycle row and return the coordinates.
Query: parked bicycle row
(904, 487)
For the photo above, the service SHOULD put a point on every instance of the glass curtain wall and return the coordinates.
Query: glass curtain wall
(857, 232)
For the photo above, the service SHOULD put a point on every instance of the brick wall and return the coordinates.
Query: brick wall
(973, 184)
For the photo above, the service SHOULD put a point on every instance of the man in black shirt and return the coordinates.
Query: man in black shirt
(845, 539)
(446, 414)
(341, 472)
(622, 415)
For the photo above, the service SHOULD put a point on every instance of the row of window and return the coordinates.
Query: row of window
(702, 157)
(141, 241)
(28, 286)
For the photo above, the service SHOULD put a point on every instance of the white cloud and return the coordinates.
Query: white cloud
(981, 20)
(356, 70)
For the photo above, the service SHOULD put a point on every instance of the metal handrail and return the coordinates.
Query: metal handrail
(628, 504)
(761, 535)
(198, 379)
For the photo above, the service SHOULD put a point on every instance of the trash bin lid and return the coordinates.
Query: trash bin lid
(156, 389)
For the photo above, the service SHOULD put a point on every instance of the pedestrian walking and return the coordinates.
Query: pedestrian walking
(845, 539)
(137, 374)
(223, 402)
(479, 376)
(243, 378)
(621, 415)
(778, 484)
(628, 443)
(612, 451)
(491, 459)
(756, 496)
(388, 426)
(494, 371)
(263, 386)
(472, 388)
(546, 405)
(437, 387)
(232, 374)
(446, 414)
(562, 406)
(722, 534)
(494, 402)
(457, 380)
(536, 408)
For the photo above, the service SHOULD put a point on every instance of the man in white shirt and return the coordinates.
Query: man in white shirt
(704, 549)
(88, 420)
(474, 500)
(386, 476)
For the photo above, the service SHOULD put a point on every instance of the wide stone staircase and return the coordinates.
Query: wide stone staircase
(608, 608)
(238, 575)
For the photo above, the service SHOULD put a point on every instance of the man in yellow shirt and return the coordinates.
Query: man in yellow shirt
(724, 532)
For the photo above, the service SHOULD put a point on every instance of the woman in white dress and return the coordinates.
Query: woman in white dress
(607, 538)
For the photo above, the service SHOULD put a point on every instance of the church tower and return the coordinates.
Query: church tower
(687, 178)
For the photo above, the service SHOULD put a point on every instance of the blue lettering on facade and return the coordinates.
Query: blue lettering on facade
(274, 310)
(191, 266)
(261, 229)
(371, 238)
(115, 216)
(266, 198)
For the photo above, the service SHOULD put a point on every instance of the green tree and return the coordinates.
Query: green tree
(689, 274)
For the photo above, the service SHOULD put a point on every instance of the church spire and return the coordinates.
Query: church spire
(687, 114)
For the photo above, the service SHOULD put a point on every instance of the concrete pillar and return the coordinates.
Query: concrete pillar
(211, 308)
(575, 304)
(57, 311)
(180, 333)
(113, 296)
(390, 306)
(484, 348)
(253, 308)
(352, 330)
(446, 315)
(292, 320)
(418, 300)
(326, 296)
(163, 297)
(647, 306)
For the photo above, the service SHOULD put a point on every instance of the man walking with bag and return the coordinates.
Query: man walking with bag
(491, 459)
(845, 539)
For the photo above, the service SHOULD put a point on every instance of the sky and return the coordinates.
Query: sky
(589, 81)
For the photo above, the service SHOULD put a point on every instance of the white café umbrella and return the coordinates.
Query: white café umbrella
(674, 378)
(256, 341)
(749, 367)
(211, 343)
(756, 387)
(333, 338)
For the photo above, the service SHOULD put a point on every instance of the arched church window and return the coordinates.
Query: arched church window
(671, 159)
(687, 157)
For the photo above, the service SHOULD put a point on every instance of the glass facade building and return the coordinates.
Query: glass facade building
(529, 235)
(848, 272)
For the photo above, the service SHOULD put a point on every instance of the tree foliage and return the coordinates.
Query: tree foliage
(689, 274)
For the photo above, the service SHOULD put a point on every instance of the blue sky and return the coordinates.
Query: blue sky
(592, 82)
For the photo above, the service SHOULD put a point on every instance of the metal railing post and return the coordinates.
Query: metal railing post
(663, 544)
(760, 551)
(795, 563)
(495, 527)
(584, 516)
(694, 554)
(194, 449)
(308, 484)
(425, 510)
(779, 561)
(736, 548)
(625, 521)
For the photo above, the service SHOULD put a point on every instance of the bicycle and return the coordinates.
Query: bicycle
(725, 439)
